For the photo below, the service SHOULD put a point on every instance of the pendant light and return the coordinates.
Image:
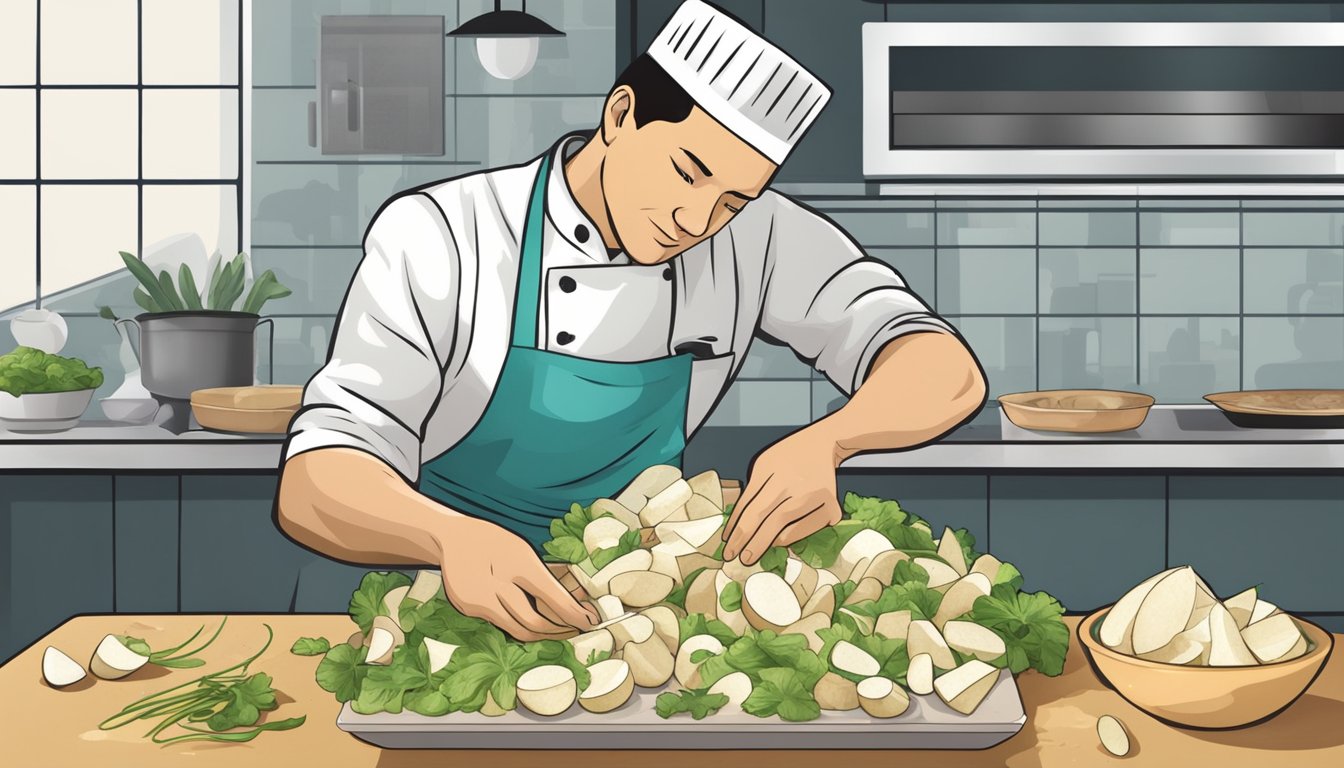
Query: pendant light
(506, 41)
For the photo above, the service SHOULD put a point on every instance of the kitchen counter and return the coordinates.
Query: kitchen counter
(1173, 437)
(58, 728)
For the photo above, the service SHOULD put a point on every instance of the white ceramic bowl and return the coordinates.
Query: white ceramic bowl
(130, 410)
(41, 329)
(43, 411)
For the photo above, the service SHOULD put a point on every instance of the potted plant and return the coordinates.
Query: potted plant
(191, 339)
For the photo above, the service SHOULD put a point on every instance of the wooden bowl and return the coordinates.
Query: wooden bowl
(266, 408)
(1210, 698)
(1077, 410)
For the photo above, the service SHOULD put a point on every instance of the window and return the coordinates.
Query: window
(123, 127)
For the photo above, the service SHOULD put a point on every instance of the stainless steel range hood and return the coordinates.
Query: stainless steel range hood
(1104, 100)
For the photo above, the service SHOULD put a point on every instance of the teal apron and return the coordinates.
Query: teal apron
(558, 429)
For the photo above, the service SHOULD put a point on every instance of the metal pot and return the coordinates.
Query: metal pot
(181, 352)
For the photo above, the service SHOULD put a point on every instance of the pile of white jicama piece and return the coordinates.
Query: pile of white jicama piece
(1173, 617)
(686, 518)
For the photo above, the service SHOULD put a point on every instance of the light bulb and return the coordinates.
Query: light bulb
(507, 58)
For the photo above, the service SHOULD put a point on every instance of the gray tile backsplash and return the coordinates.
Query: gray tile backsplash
(986, 228)
(1189, 281)
(998, 281)
(1307, 281)
(1295, 228)
(1076, 281)
(1293, 352)
(1181, 359)
(1189, 228)
(1075, 228)
(1087, 352)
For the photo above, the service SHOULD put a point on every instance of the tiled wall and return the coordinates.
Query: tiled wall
(310, 211)
(1173, 297)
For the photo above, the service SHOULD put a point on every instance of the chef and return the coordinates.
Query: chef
(522, 338)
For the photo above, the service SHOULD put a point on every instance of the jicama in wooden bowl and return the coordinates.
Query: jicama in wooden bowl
(1201, 696)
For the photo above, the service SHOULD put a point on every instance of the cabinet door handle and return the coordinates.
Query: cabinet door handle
(312, 123)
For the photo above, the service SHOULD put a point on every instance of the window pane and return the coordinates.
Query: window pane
(18, 142)
(88, 41)
(83, 228)
(191, 134)
(19, 203)
(192, 43)
(89, 134)
(18, 33)
(208, 211)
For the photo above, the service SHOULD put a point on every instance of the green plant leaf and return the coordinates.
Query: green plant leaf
(191, 297)
(166, 287)
(1030, 625)
(310, 646)
(264, 289)
(247, 700)
(566, 549)
(697, 624)
(781, 692)
(146, 278)
(145, 301)
(775, 560)
(367, 601)
(342, 671)
(677, 596)
(730, 599)
(699, 702)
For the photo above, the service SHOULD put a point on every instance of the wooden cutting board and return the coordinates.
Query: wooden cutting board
(266, 408)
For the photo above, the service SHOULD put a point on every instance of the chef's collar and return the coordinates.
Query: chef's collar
(566, 216)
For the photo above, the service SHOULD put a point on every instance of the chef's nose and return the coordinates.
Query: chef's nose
(692, 219)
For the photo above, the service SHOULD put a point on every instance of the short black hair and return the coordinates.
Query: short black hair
(657, 95)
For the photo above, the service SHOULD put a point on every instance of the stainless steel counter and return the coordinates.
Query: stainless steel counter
(1175, 437)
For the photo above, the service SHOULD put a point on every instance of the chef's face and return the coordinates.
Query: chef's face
(671, 185)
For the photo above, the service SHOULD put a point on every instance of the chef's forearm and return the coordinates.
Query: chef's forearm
(349, 505)
(920, 386)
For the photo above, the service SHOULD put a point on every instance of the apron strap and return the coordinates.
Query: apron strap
(529, 263)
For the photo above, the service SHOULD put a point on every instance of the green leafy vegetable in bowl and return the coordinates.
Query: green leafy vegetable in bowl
(27, 370)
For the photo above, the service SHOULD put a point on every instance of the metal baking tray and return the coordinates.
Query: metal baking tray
(1282, 408)
(927, 724)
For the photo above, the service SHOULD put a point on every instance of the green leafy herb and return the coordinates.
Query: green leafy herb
(566, 542)
(697, 701)
(367, 601)
(628, 543)
(697, 624)
(1030, 625)
(757, 651)
(310, 646)
(170, 657)
(842, 592)
(342, 671)
(906, 572)
(594, 656)
(921, 601)
(781, 692)
(678, 596)
(730, 599)
(221, 700)
(775, 560)
(28, 370)
(1008, 574)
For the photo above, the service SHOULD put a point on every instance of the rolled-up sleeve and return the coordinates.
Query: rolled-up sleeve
(384, 374)
(832, 304)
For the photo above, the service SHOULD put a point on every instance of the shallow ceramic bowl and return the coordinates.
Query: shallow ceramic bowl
(1206, 697)
(1077, 410)
(43, 411)
(130, 410)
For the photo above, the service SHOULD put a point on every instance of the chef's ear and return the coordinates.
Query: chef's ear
(619, 109)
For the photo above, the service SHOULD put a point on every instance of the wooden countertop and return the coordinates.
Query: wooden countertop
(51, 728)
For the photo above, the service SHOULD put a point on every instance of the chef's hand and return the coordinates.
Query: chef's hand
(489, 573)
(790, 493)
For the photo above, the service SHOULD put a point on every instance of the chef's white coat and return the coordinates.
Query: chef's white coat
(422, 334)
